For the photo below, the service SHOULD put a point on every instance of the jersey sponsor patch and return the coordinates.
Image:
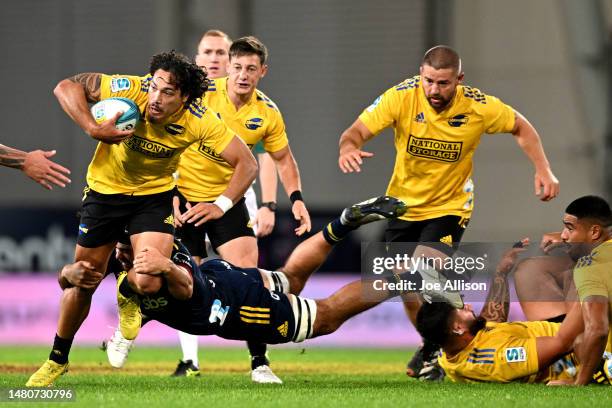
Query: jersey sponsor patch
(149, 148)
(209, 153)
(515, 354)
(120, 84)
(434, 149)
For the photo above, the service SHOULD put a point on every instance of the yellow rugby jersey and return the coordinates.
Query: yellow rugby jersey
(433, 162)
(593, 277)
(505, 352)
(143, 163)
(203, 175)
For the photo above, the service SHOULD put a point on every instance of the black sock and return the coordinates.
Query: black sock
(258, 354)
(335, 231)
(61, 349)
(125, 289)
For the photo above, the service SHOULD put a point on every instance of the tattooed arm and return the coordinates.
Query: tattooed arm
(497, 305)
(74, 94)
(36, 165)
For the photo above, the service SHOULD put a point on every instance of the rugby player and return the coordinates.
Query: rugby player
(233, 234)
(587, 222)
(481, 349)
(203, 175)
(36, 165)
(249, 303)
(438, 123)
(130, 182)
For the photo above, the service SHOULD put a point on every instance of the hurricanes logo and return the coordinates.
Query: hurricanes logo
(253, 123)
(169, 220)
(448, 240)
(149, 148)
(283, 328)
(434, 149)
(458, 120)
(174, 129)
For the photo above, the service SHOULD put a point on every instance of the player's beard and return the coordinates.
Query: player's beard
(443, 104)
(478, 324)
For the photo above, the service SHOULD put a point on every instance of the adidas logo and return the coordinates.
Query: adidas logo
(420, 118)
(169, 220)
(448, 240)
(282, 329)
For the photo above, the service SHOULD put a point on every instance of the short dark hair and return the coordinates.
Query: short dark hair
(249, 46)
(592, 207)
(442, 57)
(434, 322)
(190, 79)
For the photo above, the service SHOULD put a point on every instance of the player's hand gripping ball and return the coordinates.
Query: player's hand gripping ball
(107, 108)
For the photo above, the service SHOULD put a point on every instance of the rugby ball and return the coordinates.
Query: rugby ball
(107, 108)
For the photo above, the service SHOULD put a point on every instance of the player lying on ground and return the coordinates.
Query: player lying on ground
(250, 304)
(486, 348)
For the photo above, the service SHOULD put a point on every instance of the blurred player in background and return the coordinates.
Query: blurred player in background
(438, 123)
(36, 165)
(130, 182)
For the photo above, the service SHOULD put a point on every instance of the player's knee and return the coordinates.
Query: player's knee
(296, 285)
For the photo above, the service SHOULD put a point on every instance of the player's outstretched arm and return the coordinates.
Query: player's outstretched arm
(546, 184)
(36, 165)
(352, 140)
(74, 94)
(81, 274)
(238, 155)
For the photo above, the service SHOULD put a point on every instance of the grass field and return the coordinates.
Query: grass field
(313, 378)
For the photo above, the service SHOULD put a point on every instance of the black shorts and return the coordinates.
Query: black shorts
(448, 230)
(235, 223)
(105, 217)
(256, 313)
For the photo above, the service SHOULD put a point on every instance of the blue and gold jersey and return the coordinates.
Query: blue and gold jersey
(203, 175)
(506, 352)
(143, 163)
(593, 277)
(433, 162)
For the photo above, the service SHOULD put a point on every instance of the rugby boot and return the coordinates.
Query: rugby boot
(186, 369)
(130, 316)
(374, 209)
(47, 374)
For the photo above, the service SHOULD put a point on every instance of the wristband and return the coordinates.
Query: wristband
(223, 203)
(296, 195)
(270, 205)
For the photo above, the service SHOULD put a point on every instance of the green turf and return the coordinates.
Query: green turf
(313, 378)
